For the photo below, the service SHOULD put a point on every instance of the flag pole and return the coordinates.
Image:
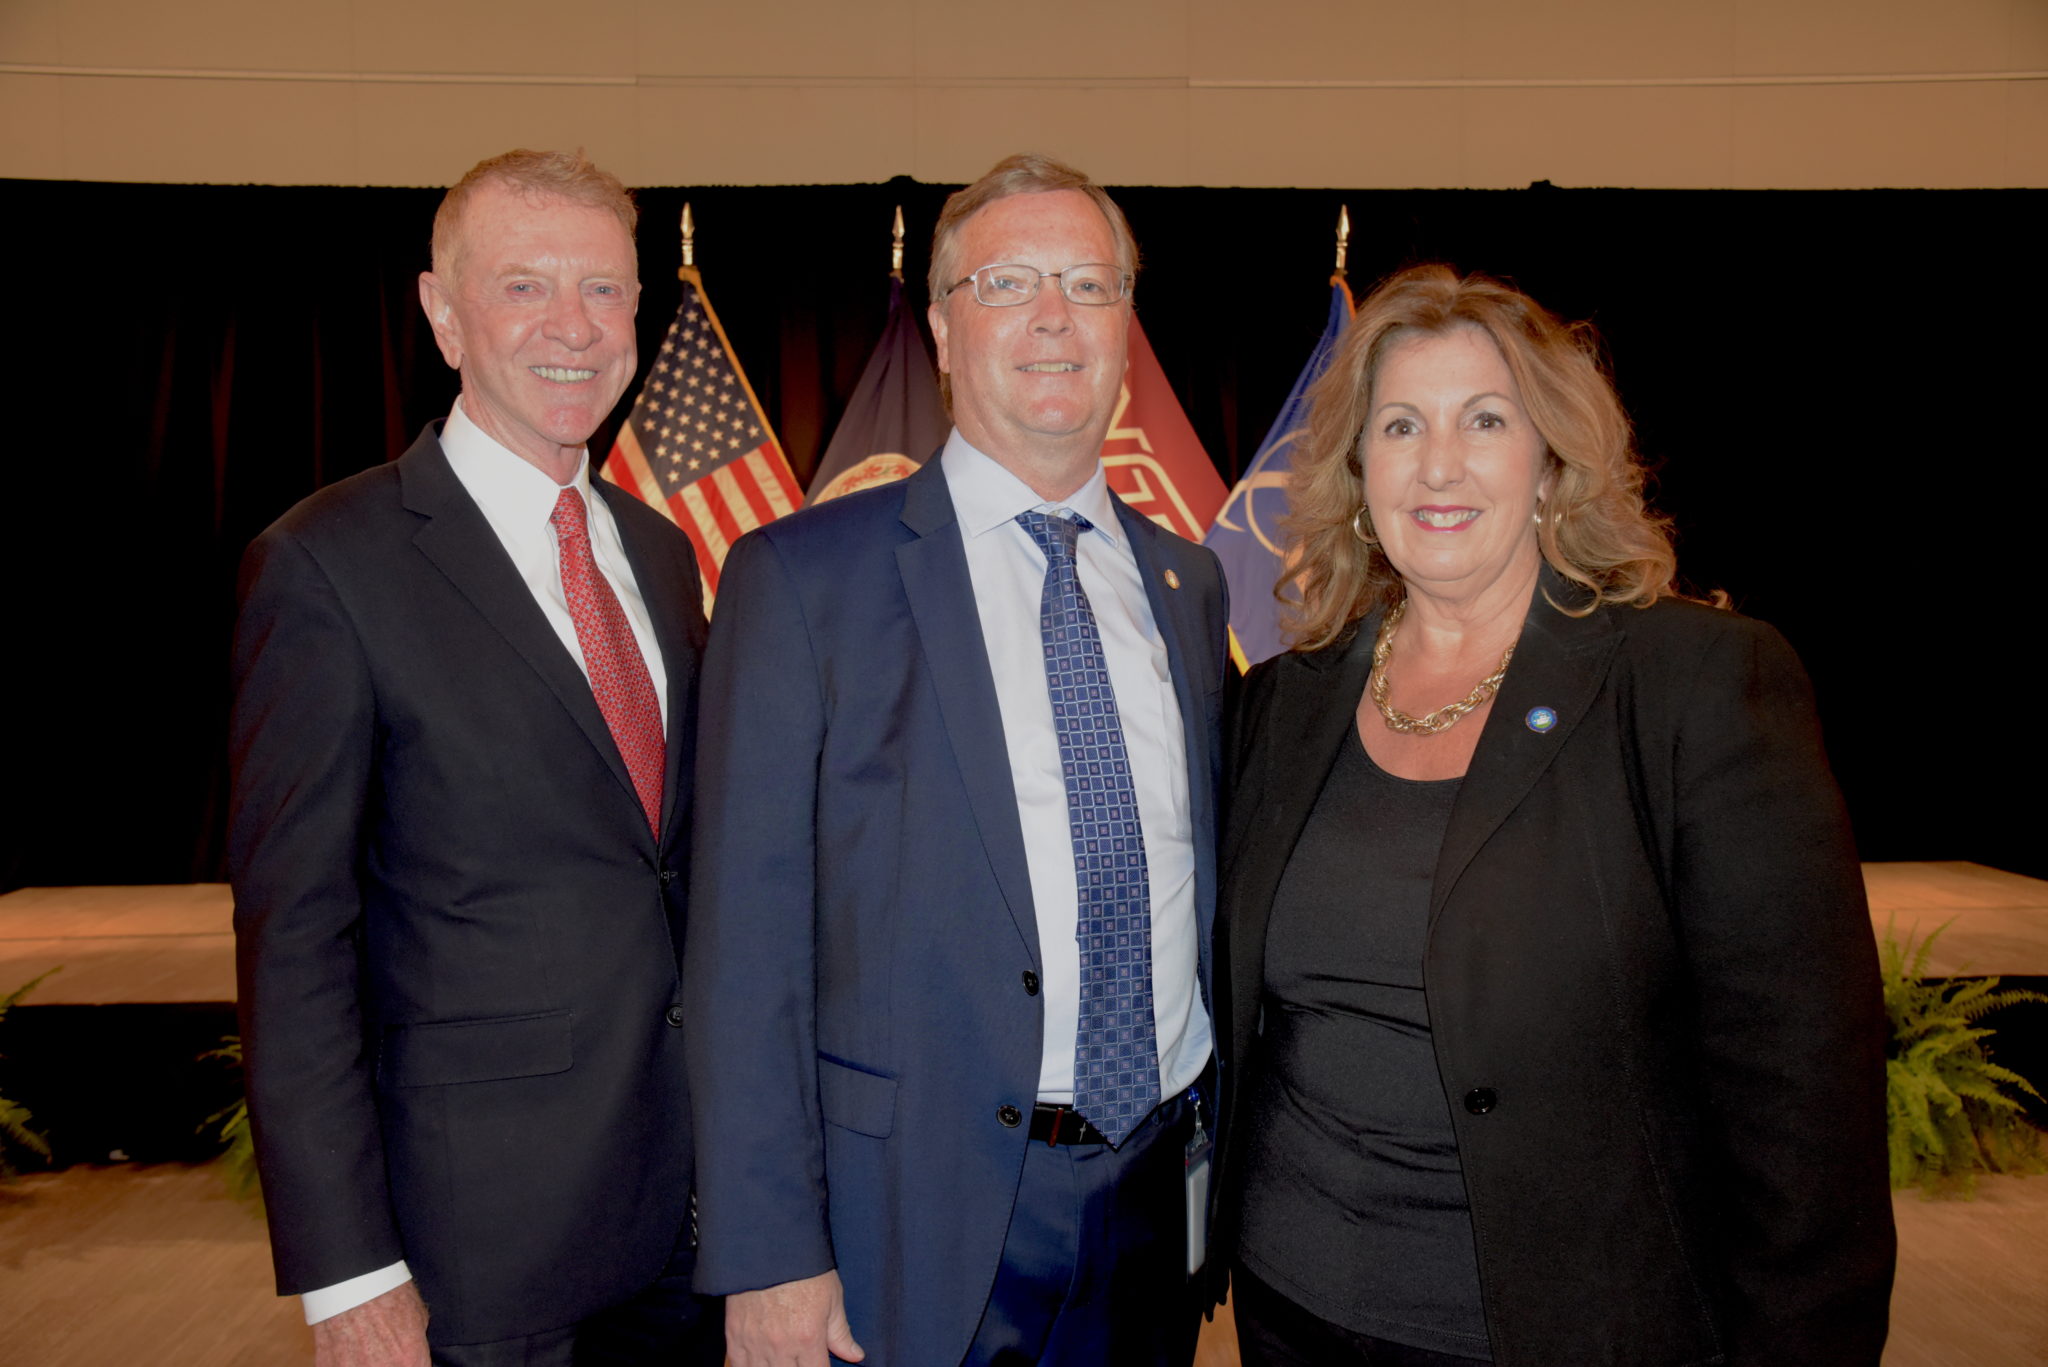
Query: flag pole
(896, 247)
(1337, 277)
(689, 241)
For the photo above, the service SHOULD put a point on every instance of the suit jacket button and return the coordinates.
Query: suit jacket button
(1010, 1116)
(667, 876)
(675, 1015)
(1480, 1100)
(1030, 983)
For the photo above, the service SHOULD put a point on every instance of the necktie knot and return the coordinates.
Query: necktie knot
(1056, 536)
(568, 517)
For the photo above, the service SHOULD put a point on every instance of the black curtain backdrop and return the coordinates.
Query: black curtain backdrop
(1840, 393)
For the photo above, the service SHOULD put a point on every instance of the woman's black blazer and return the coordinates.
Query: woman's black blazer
(1652, 988)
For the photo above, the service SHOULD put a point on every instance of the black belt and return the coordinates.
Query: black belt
(1052, 1123)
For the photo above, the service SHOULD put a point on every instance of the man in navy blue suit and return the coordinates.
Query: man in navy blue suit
(954, 862)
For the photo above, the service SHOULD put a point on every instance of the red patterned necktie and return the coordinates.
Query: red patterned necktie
(618, 672)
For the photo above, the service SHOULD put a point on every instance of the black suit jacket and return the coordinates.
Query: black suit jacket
(457, 936)
(1652, 989)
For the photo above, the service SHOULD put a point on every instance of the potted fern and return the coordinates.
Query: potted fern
(15, 1133)
(230, 1125)
(1950, 1113)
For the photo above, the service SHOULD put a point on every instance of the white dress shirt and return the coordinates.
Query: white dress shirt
(517, 499)
(1008, 574)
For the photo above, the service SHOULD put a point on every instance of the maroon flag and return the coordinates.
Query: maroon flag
(1155, 461)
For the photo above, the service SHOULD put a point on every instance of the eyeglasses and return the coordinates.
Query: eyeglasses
(1003, 286)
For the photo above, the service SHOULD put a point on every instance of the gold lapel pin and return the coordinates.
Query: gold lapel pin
(1172, 580)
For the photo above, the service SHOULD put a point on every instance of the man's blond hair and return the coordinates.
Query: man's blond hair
(536, 175)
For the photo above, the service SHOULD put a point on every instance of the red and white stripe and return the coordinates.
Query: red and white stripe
(718, 509)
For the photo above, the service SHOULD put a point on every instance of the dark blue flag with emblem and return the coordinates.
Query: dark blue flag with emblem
(1246, 535)
(895, 419)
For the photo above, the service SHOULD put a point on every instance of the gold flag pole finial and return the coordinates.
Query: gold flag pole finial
(896, 247)
(1343, 240)
(689, 237)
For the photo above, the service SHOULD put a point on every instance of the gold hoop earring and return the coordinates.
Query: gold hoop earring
(1358, 527)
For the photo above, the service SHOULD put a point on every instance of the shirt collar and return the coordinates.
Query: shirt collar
(986, 495)
(511, 491)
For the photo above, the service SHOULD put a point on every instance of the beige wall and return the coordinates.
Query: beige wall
(1708, 93)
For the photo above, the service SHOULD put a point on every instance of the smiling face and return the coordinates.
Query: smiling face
(537, 314)
(1454, 467)
(1034, 385)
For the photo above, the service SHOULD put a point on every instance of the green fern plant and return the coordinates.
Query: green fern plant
(230, 1125)
(15, 1134)
(1949, 1113)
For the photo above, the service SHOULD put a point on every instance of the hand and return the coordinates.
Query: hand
(791, 1325)
(387, 1331)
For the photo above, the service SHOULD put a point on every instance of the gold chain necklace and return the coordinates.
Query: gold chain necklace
(1445, 717)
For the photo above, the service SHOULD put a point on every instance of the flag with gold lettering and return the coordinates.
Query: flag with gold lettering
(1247, 536)
(697, 446)
(895, 420)
(1155, 461)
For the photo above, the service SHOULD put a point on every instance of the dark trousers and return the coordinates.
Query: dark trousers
(665, 1325)
(1273, 1331)
(1094, 1268)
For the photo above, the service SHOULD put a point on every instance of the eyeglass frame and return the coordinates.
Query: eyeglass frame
(1125, 280)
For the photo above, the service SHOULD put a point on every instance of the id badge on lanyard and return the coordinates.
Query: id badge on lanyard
(1195, 1164)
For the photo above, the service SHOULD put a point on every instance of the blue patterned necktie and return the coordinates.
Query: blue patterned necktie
(1116, 1053)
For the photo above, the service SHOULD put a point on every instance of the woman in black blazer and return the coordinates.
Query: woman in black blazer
(1550, 1017)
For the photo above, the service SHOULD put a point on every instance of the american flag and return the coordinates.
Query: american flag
(696, 446)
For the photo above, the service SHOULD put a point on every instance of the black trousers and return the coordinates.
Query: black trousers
(665, 1325)
(1273, 1331)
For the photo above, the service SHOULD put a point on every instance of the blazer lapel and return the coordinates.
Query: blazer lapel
(678, 633)
(941, 595)
(459, 541)
(1312, 711)
(1560, 663)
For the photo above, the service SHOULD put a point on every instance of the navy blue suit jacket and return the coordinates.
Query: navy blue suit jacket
(861, 917)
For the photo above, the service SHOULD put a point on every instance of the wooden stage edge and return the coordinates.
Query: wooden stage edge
(175, 942)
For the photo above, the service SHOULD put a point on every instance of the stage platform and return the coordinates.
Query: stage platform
(150, 943)
(175, 943)
(2000, 919)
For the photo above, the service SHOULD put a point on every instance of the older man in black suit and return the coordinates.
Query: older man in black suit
(462, 750)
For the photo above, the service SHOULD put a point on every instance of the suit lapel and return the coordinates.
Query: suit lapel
(459, 541)
(1179, 617)
(941, 596)
(1560, 663)
(678, 625)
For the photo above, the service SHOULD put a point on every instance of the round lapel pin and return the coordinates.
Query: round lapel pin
(1172, 580)
(1541, 719)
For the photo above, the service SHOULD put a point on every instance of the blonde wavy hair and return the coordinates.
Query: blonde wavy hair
(1595, 529)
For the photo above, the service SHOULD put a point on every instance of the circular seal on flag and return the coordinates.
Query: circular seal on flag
(865, 474)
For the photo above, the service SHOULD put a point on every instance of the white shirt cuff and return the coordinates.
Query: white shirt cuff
(329, 1301)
